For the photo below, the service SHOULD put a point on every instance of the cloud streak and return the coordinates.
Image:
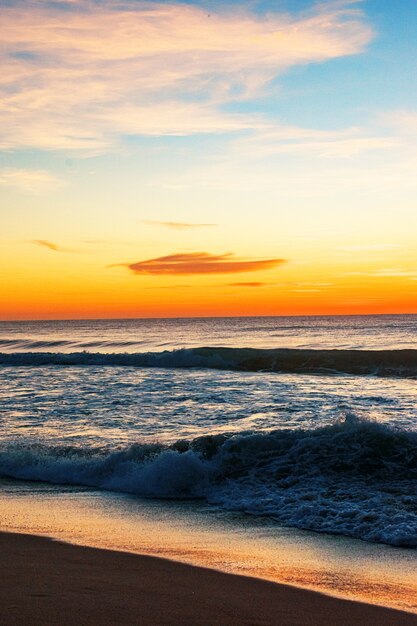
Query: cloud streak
(388, 272)
(201, 263)
(50, 245)
(249, 284)
(82, 77)
(28, 180)
(345, 144)
(372, 247)
(177, 225)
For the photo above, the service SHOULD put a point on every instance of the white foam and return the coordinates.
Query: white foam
(353, 478)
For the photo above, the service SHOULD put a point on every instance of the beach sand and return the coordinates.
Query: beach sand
(48, 582)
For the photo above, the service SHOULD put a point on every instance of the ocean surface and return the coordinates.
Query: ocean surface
(311, 422)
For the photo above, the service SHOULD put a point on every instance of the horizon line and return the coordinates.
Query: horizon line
(200, 317)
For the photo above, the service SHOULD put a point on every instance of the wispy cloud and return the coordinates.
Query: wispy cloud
(201, 263)
(312, 284)
(372, 247)
(403, 121)
(81, 78)
(249, 284)
(387, 272)
(28, 180)
(177, 225)
(50, 245)
(176, 286)
(279, 139)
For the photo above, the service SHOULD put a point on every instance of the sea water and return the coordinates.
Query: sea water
(284, 448)
(261, 416)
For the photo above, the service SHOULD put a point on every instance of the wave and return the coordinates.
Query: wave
(402, 363)
(26, 344)
(355, 478)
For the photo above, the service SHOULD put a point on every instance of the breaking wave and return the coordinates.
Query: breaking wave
(402, 363)
(355, 478)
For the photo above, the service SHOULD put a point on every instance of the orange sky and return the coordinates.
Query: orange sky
(53, 284)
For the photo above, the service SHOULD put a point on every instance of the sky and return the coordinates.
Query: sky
(176, 159)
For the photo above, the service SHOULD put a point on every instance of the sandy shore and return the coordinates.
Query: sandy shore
(47, 582)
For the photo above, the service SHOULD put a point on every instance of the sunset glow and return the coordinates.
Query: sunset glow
(164, 159)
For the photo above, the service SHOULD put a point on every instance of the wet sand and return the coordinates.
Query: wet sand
(48, 582)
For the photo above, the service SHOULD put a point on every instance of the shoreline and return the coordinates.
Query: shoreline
(186, 532)
(51, 582)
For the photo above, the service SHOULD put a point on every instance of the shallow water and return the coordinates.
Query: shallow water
(203, 535)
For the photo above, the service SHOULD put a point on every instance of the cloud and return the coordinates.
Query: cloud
(28, 180)
(310, 284)
(388, 272)
(249, 284)
(280, 139)
(177, 225)
(177, 286)
(372, 247)
(44, 243)
(80, 78)
(404, 122)
(201, 263)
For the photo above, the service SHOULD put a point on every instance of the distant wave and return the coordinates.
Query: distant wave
(354, 478)
(402, 363)
(26, 344)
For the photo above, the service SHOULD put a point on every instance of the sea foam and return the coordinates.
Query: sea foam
(355, 478)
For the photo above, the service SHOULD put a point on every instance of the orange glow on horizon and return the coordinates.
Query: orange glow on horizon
(118, 293)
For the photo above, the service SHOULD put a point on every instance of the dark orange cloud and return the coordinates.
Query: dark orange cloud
(177, 225)
(201, 263)
(48, 244)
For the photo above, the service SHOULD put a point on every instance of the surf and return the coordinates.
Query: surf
(396, 363)
(356, 477)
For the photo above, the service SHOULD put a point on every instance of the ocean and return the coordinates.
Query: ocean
(269, 419)
(283, 448)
